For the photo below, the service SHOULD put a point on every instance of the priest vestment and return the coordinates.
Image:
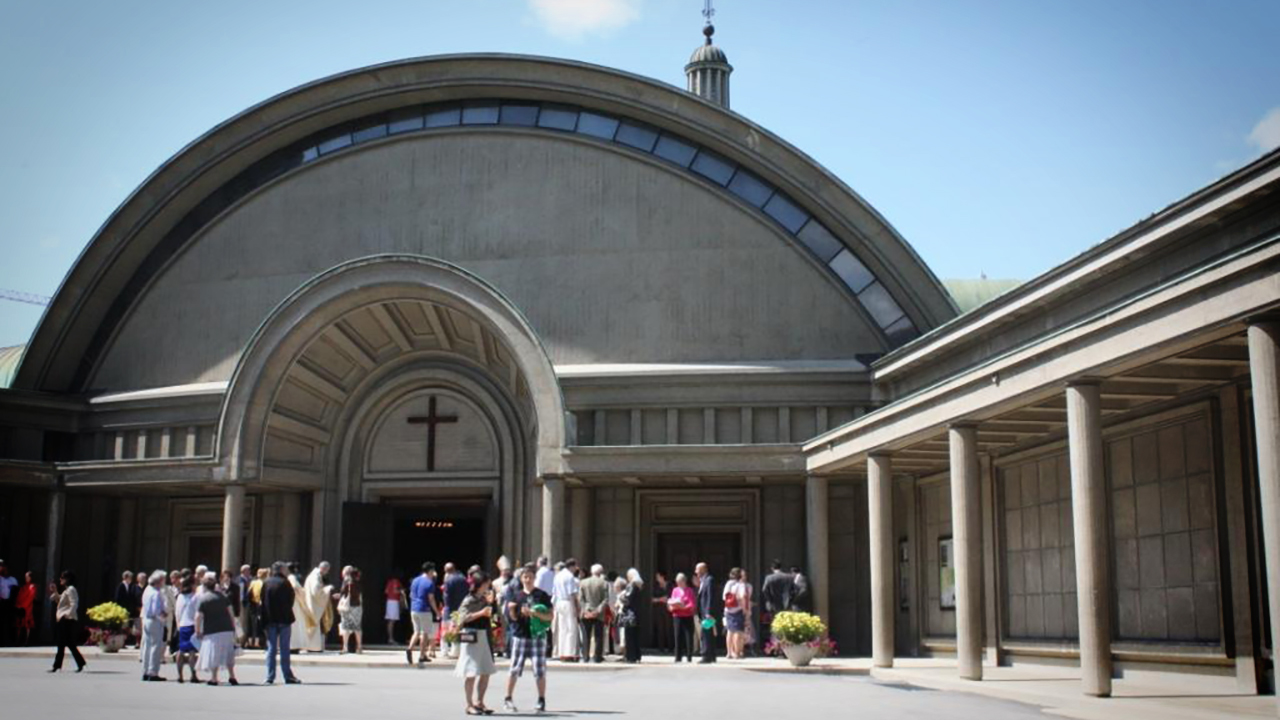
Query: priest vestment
(320, 607)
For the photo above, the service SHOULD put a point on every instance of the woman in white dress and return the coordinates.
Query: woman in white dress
(216, 629)
(475, 662)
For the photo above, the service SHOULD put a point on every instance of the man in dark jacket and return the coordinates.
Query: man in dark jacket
(802, 600)
(277, 614)
(776, 592)
(706, 610)
(125, 598)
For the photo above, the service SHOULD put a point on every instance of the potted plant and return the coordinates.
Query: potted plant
(109, 624)
(801, 636)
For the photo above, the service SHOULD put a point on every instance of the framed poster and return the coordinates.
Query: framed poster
(946, 573)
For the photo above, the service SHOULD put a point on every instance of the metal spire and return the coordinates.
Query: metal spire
(708, 12)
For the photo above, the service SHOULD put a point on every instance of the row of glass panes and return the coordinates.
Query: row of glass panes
(875, 298)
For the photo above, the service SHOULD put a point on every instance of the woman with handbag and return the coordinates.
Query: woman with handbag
(475, 661)
(351, 610)
(628, 615)
(735, 614)
(682, 606)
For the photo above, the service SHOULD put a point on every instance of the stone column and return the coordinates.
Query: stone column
(232, 527)
(966, 529)
(880, 520)
(1264, 370)
(318, 551)
(52, 557)
(818, 537)
(580, 525)
(553, 518)
(290, 526)
(1092, 536)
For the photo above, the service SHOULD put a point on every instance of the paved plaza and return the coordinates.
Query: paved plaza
(350, 686)
(110, 689)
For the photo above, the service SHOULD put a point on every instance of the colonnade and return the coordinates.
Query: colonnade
(1091, 529)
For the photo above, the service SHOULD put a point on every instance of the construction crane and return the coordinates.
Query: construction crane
(22, 297)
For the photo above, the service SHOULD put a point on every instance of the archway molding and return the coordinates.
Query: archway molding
(359, 313)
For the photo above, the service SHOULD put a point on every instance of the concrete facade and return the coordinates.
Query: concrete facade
(578, 310)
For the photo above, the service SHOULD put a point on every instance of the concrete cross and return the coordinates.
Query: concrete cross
(431, 420)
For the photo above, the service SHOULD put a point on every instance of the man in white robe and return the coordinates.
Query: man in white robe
(298, 633)
(319, 611)
(565, 596)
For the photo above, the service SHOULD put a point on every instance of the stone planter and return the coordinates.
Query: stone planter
(113, 643)
(799, 655)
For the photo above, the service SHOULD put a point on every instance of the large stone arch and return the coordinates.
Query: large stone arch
(361, 313)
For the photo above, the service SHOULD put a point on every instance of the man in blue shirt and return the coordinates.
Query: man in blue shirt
(423, 607)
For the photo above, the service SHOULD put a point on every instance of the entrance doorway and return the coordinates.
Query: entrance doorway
(384, 539)
(438, 534)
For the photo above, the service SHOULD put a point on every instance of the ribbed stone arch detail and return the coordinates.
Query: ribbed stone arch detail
(360, 311)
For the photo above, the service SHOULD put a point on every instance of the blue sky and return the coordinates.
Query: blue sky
(999, 136)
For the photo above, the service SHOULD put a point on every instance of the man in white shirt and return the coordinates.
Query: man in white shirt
(544, 580)
(565, 596)
(155, 618)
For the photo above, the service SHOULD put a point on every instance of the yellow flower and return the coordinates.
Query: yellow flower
(109, 615)
(797, 627)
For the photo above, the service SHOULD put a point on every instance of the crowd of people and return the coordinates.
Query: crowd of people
(200, 620)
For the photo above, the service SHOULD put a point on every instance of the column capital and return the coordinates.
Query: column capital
(880, 454)
(963, 425)
(1087, 381)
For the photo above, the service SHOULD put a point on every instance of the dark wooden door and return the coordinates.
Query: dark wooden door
(680, 552)
(367, 532)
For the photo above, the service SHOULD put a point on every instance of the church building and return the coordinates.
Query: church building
(458, 307)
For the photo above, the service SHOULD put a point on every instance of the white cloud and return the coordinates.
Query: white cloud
(1266, 134)
(573, 19)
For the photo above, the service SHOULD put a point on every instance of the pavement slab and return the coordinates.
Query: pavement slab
(380, 680)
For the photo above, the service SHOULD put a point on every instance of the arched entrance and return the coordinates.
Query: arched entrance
(400, 395)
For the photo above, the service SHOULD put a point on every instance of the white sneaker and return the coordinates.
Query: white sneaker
(509, 706)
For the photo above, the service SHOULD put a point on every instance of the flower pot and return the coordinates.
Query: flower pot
(112, 643)
(799, 655)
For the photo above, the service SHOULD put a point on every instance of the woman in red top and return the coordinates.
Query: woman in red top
(25, 605)
(682, 605)
(394, 593)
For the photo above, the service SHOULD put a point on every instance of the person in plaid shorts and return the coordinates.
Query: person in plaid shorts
(529, 610)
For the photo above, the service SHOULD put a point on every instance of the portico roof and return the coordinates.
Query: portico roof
(1151, 313)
